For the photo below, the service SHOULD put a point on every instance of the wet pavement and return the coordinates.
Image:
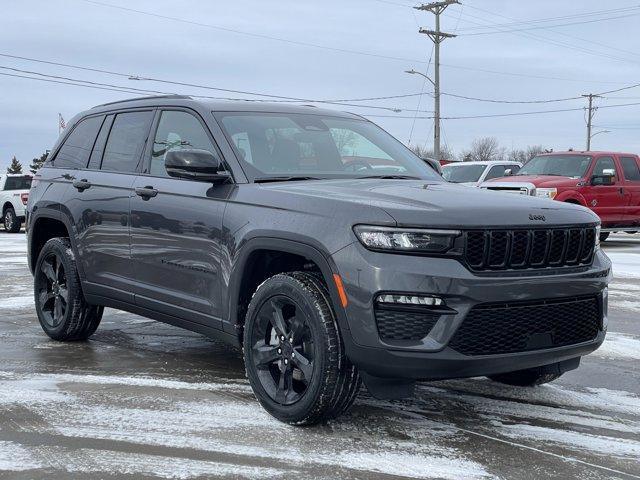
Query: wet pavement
(145, 400)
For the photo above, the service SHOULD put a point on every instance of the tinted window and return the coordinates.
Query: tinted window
(630, 169)
(126, 141)
(98, 148)
(498, 171)
(177, 131)
(604, 163)
(18, 183)
(76, 149)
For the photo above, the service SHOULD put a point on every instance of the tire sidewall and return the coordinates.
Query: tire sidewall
(283, 285)
(60, 249)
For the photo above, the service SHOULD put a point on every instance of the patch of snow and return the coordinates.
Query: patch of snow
(19, 302)
(16, 458)
(620, 346)
(626, 265)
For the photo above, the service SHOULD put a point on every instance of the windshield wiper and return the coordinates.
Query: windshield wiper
(282, 179)
(393, 177)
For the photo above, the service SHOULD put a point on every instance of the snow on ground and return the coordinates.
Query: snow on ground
(620, 346)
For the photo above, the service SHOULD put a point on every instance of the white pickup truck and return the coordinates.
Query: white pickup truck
(14, 193)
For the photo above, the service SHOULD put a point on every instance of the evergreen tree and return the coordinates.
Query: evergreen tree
(37, 163)
(15, 167)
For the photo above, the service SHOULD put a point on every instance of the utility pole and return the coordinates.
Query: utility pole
(590, 112)
(436, 37)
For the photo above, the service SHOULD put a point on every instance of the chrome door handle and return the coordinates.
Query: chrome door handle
(146, 192)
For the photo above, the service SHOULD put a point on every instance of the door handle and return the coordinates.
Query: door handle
(621, 191)
(81, 185)
(146, 192)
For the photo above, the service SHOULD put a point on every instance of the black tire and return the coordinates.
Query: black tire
(11, 222)
(62, 310)
(305, 379)
(604, 236)
(530, 377)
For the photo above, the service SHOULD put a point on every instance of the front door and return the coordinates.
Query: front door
(176, 228)
(631, 171)
(606, 200)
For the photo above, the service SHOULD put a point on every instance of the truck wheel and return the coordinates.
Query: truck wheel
(11, 222)
(294, 355)
(604, 236)
(62, 310)
(526, 378)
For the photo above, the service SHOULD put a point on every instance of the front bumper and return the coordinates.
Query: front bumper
(365, 273)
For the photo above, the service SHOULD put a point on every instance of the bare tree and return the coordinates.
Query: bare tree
(445, 152)
(344, 138)
(484, 149)
(524, 155)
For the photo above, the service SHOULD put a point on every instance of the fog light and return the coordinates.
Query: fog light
(410, 300)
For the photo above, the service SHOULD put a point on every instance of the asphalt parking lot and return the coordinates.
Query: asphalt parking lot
(146, 400)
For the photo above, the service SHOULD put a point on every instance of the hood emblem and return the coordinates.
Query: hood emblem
(542, 218)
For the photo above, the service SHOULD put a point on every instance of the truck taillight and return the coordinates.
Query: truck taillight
(24, 197)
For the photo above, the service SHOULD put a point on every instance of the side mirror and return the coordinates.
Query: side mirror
(194, 164)
(608, 177)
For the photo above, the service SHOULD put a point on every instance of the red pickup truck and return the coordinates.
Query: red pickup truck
(606, 182)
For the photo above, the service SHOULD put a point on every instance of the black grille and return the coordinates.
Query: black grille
(522, 249)
(493, 328)
(404, 325)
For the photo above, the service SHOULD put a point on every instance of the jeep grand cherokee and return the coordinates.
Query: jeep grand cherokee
(315, 241)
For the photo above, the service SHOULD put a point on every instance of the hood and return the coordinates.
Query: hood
(542, 181)
(424, 203)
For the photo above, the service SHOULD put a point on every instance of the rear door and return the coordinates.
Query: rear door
(99, 199)
(176, 231)
(607, 201)
(631, 171)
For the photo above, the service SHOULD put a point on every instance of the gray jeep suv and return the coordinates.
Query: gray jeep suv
(315, 241)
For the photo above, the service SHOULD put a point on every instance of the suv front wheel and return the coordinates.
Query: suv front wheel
(62, 310)
(293, 352)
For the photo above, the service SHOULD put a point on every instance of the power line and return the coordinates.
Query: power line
(490, 100)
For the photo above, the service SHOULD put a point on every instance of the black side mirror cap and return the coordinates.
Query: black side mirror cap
(195, 164)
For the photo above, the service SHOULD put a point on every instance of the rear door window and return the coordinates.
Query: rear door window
(126, 141)
(76, 149)
(630, 169)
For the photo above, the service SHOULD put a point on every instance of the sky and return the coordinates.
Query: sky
(332, 49)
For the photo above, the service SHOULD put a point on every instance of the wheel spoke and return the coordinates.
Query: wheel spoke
(284, 385)
(278, 319)
(63, 293)
(47, 269)
(264, 354)
(297, 328)
(44, 297)
(58, 311)
(303, 364)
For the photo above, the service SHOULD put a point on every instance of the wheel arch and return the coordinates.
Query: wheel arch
(572, 197)
(248, 273)
(7, 204)
(45, 224)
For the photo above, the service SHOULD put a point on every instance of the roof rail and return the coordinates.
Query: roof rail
(153, 97)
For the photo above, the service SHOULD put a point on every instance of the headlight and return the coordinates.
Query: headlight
(598, 228)
(405, 239)
(549, 193)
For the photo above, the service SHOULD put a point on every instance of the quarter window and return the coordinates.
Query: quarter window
(126, 141)
(177, 131)
(630, 169)
(76, 149)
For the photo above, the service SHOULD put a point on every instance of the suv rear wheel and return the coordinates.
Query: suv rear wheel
(293, 352)
(526, 378)
(62, 310)
(11, 222)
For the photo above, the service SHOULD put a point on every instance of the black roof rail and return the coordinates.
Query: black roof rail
(153, 97)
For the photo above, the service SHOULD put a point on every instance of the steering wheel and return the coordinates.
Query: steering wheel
(356, 165)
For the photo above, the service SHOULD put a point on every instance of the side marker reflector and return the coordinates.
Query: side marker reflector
(341, 293)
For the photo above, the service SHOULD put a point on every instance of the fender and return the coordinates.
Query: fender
(322, 259)
(571, 195)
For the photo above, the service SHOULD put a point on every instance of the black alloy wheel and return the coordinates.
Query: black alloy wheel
(53, 295)
(283, 350)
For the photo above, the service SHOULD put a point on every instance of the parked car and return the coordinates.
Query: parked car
(247, 222)
(474, 173)
(14, 192)
(606, 182)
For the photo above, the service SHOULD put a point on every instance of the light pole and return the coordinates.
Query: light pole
(597, 133)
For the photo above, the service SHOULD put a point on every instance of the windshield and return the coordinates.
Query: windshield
(286, 145)
(18, 183)
(574, 166)
(462, 173)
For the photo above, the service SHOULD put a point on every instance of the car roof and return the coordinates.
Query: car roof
(589, 152)
(490, 162)
(219, 106)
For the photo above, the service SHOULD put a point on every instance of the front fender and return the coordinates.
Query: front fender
(571, 196)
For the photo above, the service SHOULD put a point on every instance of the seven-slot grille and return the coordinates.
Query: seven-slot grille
(529, 248)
